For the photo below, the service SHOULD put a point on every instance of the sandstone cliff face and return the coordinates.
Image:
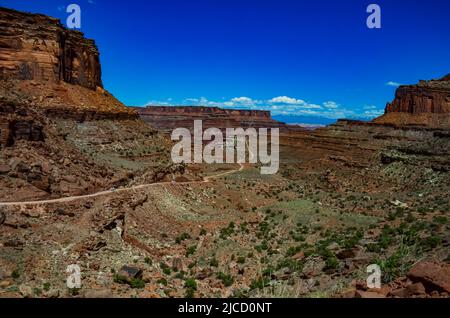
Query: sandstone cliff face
(426, 97)
(37, 47)
(44, 65)
(425, 104)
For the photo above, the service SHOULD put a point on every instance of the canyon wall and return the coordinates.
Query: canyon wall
(425, 104)
(38, 47)
(426, 97)
(48, 72)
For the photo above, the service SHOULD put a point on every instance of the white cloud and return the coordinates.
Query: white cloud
(282, 105)
(246, 101)
(393, 84)
(286, 100)
(191, 100)
(331, 105)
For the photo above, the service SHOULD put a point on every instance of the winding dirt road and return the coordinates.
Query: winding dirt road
(106, 192)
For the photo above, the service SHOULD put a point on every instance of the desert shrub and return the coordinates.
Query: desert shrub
(162, 281)
(191, 250)
(46, 286)
(439, 219)
(431, 242)
(214, 262)
(165, 268)
(182, 237)
(291, 264)
(190, 283)
(137, 283)
(226, 279)
(260, 283)
(241, 260)
(395, 265)
(15, 274)
(226, 232)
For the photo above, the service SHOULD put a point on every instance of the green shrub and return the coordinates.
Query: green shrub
(214, 262)
(226, 279)
(431, 242)
(260, 283)
(137, 283)
(190, 283)
(46, 286)
(15, 274)
(191, 250)
(182, 237)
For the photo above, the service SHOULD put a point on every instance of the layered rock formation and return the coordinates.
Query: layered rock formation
(170, 117)
(61, 133)
(426, 97)
(45, 67)
(425, 104)
(37, 47)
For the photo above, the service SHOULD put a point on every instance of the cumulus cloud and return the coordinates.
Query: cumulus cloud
(282, 105)
(331, 105)
(286, 100)
(393, 84)
(246, 101)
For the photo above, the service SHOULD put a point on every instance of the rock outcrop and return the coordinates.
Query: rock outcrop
(38, 47)
(56, 118)
(424, 104)
(426, 97)
(44, 66)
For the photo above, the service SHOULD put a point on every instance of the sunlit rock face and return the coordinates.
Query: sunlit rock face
(38, 47)
(426, 97)
(425, 104)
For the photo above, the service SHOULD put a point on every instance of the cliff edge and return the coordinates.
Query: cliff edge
(424, 104)
(45, 65)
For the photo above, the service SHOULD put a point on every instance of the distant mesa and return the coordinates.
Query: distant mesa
(170, 117)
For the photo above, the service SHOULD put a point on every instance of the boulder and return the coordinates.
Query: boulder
(129, 273)
(433, 276)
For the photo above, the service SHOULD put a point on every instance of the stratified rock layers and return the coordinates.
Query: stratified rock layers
(426, 97)
(38, 47)
(424, 104)
(171, 117)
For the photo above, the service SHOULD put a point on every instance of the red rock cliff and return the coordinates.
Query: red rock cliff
(425, 104)
(426, 97)
(38, 47)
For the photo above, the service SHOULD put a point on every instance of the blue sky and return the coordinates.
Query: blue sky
(313, 58)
